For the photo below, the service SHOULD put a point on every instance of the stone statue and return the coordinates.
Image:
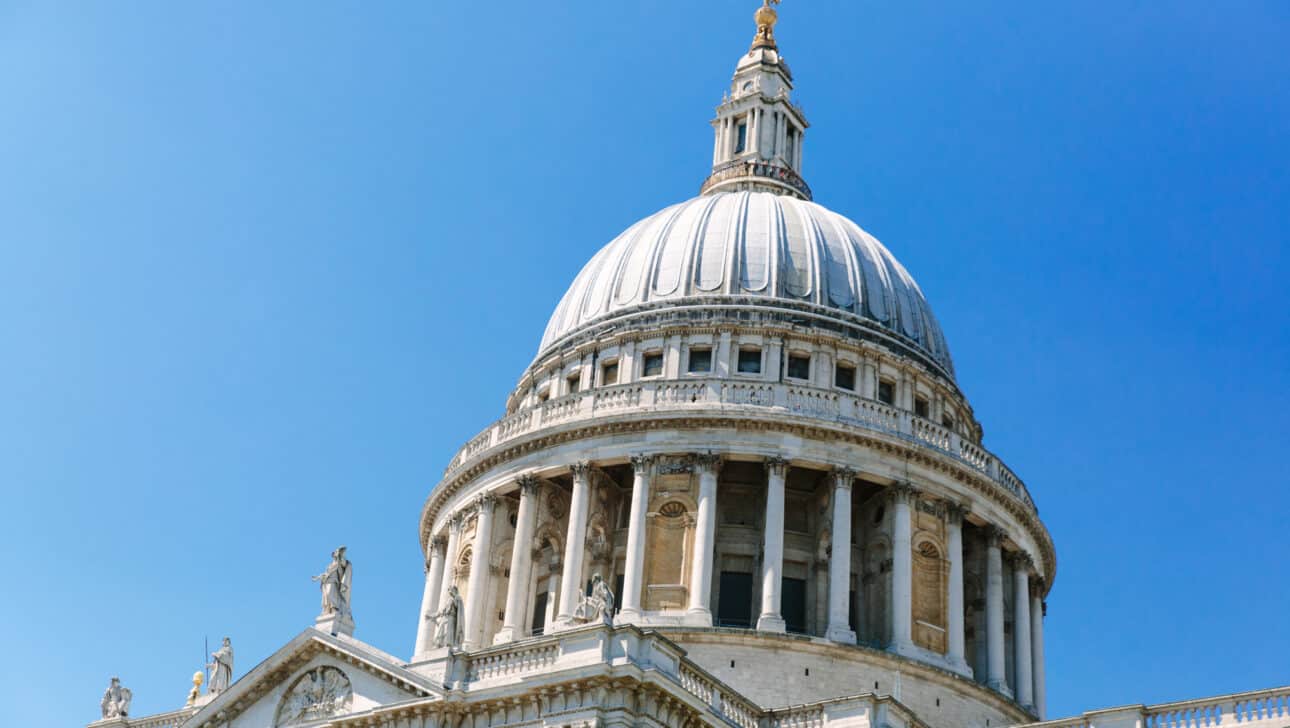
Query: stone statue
(599, 607)
(336, 581)
(116, 700)
(221, 669)
(447, 631)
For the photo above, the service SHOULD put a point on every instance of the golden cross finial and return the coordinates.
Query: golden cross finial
(766, 18)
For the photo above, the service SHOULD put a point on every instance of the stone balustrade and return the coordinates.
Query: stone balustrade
(1257, 709)
(732, 397)
(172, 719)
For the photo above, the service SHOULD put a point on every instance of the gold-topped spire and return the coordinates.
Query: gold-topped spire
(766, 18)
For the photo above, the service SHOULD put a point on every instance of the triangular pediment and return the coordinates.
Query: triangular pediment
(314, 677)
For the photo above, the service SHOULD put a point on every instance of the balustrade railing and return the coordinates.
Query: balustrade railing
(814, 402)
(1257, 709)
(512, 662)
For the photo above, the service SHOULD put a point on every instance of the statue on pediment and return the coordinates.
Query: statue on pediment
(336, 582)
(598, 606)
(116, 700)
(221, 669)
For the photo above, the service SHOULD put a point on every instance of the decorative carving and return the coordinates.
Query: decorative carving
(1020, 560)
(581, 469)
(447, 631)
(528, 485)
(707, 461)
(672, 509)
(599, 607)
(931, 508)
(673, 465)
(777, 466)
(994, 536)
(484, 504)
(336, 582)
(321, 693)
(956, 512)
(903, 492)
(842, 477)
(221, 668)
(641, 463)
(116, 700)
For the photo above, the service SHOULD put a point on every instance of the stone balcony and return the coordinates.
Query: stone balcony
(735, 399)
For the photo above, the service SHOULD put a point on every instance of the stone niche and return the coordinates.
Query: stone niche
(931, 577)
(669, 540)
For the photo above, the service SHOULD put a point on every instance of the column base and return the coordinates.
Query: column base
(774, 623)
(840, 634)
(334, 624)
(960, 666)
(999, 686)
(698, 617)
(506, 634)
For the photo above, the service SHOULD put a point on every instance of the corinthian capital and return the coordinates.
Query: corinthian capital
(708, 461)
(903, 492)
(642, 463)
(843, 476)
(994, 536)
(528, 483)
(485, 503)
(956, 512)
(777, 466)
(1020, 561)
(581, 469)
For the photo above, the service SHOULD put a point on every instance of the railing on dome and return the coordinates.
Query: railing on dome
(733, 396)
(759, 170)
(1256, 709)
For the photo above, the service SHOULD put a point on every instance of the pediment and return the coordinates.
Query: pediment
(314, 677)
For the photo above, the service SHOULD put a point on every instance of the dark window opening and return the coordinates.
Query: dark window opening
(799, 367)
(921, 407)
(749, 361)
(618, 592)
(793, 604)
(609, 374)
(741, 141)
(539, 614)
(886, 392)
(734, 605)
(948, 422)
(844, 377)
(700, 360)
(653, 365)
(574, 382)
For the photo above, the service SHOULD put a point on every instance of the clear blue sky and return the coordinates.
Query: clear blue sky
(264, 266)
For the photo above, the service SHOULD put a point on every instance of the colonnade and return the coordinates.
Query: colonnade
(1027, 602)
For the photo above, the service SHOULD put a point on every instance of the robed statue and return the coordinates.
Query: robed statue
(221, 669)
(447, 631)
(599, 606)
(336, 581)
(116, 700)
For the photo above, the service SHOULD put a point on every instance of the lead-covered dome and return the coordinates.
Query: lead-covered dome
(752, 248)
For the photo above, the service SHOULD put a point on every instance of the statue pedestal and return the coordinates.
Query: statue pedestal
(335, 624)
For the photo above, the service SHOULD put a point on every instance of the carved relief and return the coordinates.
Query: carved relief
(323, 692)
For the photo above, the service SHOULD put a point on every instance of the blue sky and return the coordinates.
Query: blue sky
(264, 266)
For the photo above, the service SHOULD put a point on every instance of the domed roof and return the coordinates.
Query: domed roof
(752, 248)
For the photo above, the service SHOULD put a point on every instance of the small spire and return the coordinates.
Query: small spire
(766, 18)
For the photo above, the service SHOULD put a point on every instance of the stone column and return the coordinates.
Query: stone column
(957, 650)
(476, 587)
(774, 366)
(1037, 647)
(634, 566)
(575, 543)
(721, 367)
(517, 587)
(772, 564)
(430, 597)
(839, 629)
(902, 568)
(705, 532)
(455, 525)
(1021, 629)
(997, 674)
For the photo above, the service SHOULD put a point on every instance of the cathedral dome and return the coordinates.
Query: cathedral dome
(754, 249)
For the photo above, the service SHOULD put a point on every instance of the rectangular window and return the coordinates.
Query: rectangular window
(700, 360)
(609, 373)
(538, 625)
(734, 601)
(741, 138)
(653, 366)
(799, 367)
(947, 421)
(921, 408)
(886, 392)
(544, 395)
(749, 361)
(844, 377)
(793, 606)
(575, 381)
